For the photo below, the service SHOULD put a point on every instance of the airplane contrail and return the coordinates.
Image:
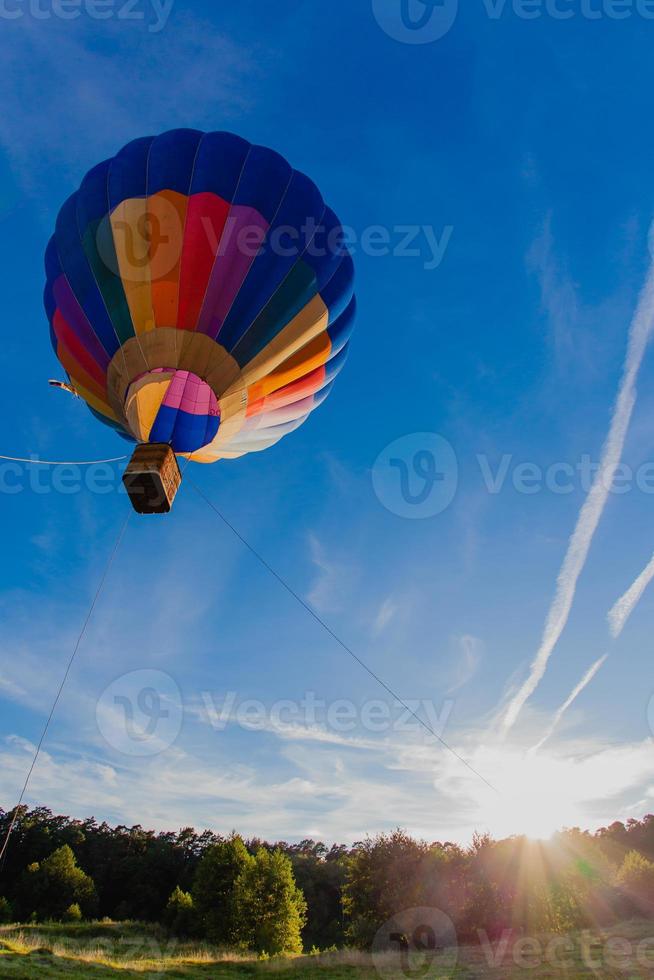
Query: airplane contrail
(581, 686)
(626, 604)
(640, 334)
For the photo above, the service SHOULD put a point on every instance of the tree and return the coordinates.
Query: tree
(48, 889)
(270, 907)
(320, 875)
(180, 913)
(213, 890)
(385, 874)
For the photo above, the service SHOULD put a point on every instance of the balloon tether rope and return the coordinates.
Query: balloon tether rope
(35, 461)
(309, 609)
(46, 727)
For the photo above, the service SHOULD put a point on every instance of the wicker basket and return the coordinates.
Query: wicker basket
(152, 478)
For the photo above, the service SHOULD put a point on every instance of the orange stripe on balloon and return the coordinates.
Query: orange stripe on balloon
(312, 356)
(166, 213)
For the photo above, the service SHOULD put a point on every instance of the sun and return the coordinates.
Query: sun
(534, 794)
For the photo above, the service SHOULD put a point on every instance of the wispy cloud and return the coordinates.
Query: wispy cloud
(558, 293)
(624, 607)
(581, 686)
(128, 77)
(579, 545)
(385, 614)
(331, 584)
(324, 789)
(467, 661)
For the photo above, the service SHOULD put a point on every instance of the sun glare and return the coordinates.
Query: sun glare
(536, 794)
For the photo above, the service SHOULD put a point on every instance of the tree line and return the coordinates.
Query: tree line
(279, 897)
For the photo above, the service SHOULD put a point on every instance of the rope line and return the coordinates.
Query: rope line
(337, 638)
(50, 462)
(46, 728)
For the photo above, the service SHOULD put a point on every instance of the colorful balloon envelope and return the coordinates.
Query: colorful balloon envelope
(199, 294)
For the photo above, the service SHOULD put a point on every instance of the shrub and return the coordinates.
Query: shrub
(636, 876)
(73, 913)
(6, 911)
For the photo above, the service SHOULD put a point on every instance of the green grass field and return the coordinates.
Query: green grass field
(124, 950)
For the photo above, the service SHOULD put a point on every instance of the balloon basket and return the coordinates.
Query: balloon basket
(152, 479)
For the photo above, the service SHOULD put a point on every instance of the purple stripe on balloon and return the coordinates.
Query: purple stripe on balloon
(74, 315)
(245, 231)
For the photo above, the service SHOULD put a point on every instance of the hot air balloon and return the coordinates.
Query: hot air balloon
(200, 301)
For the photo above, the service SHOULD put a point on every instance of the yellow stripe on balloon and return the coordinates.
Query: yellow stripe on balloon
(131, 232)
(143, 403)
(302, 329)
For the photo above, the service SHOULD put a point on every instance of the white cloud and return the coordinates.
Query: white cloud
(570, 700)
(626, 604)
(580, 542)
(311, 780)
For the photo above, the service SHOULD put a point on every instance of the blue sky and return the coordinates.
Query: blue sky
(527, 143)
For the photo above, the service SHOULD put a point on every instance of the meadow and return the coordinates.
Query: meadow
(107, 950)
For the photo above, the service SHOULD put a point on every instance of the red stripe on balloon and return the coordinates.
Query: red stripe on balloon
(307, 385)
(67, 336)
(205, 223)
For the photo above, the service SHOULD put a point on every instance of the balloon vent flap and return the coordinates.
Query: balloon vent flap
(152, 478)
